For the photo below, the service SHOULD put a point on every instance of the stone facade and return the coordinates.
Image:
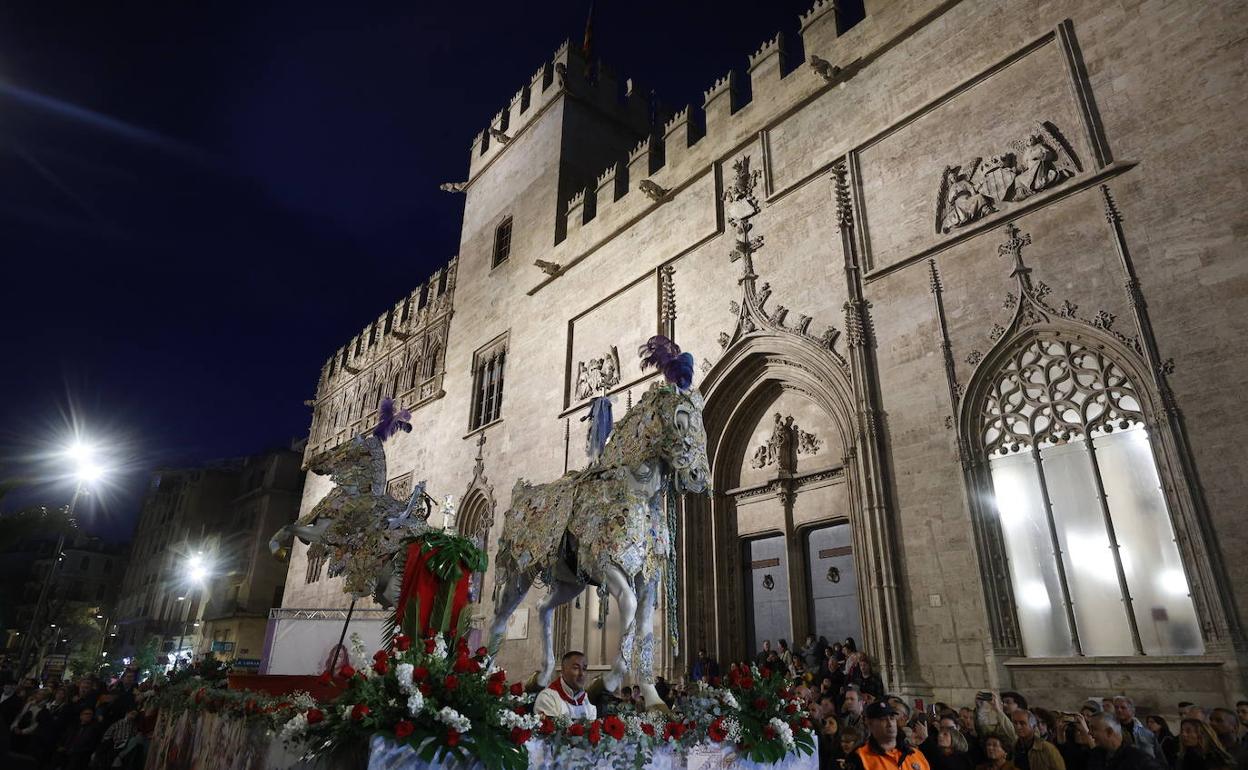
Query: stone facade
(921, 176)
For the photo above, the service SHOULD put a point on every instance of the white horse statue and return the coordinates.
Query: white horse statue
(606, 525)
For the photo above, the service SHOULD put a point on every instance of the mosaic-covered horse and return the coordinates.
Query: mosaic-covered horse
(607, 525)
(357, 527)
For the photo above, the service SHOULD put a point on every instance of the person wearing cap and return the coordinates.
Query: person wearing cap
(886, 747)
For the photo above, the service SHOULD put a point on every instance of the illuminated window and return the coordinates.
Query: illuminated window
(1093, 559)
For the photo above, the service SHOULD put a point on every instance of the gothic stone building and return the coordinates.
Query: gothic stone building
(965, 286)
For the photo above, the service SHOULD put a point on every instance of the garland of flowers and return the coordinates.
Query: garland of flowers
(440, 699)
(436, 697)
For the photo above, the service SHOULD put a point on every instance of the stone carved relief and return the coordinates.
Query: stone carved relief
(598, 374)
(1031, 307)
(751, 314)
(400, 487)
(972, 190)
(786, 443)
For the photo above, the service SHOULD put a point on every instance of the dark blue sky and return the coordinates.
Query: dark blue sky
(200, 201)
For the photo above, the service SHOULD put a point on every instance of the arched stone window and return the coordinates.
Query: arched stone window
(1088, 535)
(475, 517)
(430, 364)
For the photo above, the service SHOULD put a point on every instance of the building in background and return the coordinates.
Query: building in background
(245, 580)
(199, 555)
(81, 602)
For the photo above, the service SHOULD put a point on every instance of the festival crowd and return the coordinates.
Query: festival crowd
(88, 724)
(861, 727)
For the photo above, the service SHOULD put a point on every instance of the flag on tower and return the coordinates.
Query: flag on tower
(587, 45)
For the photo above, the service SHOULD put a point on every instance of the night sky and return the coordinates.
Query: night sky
(199, 202)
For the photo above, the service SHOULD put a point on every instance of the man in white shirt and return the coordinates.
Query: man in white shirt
(566, 695)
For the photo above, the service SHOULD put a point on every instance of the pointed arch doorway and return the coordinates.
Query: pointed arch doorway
(781, 547)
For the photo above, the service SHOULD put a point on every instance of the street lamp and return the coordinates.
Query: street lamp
(87, 471)
(198, 570)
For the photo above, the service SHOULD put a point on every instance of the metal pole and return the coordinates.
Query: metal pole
(47, 581)
(333, 664)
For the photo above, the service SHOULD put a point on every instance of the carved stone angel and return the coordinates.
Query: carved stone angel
(960, 201)
(1040, 168)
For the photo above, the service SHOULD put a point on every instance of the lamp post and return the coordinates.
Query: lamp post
(86, 472)
(198, 571)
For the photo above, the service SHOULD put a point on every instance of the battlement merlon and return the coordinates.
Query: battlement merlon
(567, 73)
(416, 310)
(731, 120)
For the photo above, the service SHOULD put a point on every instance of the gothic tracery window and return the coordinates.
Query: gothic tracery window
(1093, 559)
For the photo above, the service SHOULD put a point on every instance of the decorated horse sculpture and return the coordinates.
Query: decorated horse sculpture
(357, 526)
(607, 525)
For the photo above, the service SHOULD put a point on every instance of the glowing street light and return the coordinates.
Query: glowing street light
(87, 470)
(197, 569)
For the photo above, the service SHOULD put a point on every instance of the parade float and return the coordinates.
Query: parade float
(428, 699)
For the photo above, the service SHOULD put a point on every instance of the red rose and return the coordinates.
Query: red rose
(769, 732)
(498, 676)
(716, 731)
(790, 709)
(807, 724)
(461, 645)
(466, 665)
(765, 672)
(674, 730)
(595, 732)
(380, 655)
(547, 727)
(495, 689)
(452, 737)
(420, 674)
(402, 643)
(425, 688)
(520, 737)
(359, 711)
(576, 728)
(760, 704)
(451, 682)
(430, 644)
(647, 728)
(517, 689)
(521, 710)
(346, 672)
(403, 728)
(482, 652)
(716, 681)
(381, 666)
(613, 726)
(325, 679)
(315, 715)
(747, 683)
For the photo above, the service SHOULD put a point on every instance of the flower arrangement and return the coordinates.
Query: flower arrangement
(436, 696)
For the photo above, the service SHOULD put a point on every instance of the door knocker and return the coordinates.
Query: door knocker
(769, 582)
(834, 575)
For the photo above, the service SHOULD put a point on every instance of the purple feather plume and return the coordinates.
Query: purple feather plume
(391, 420)
(664, 354)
